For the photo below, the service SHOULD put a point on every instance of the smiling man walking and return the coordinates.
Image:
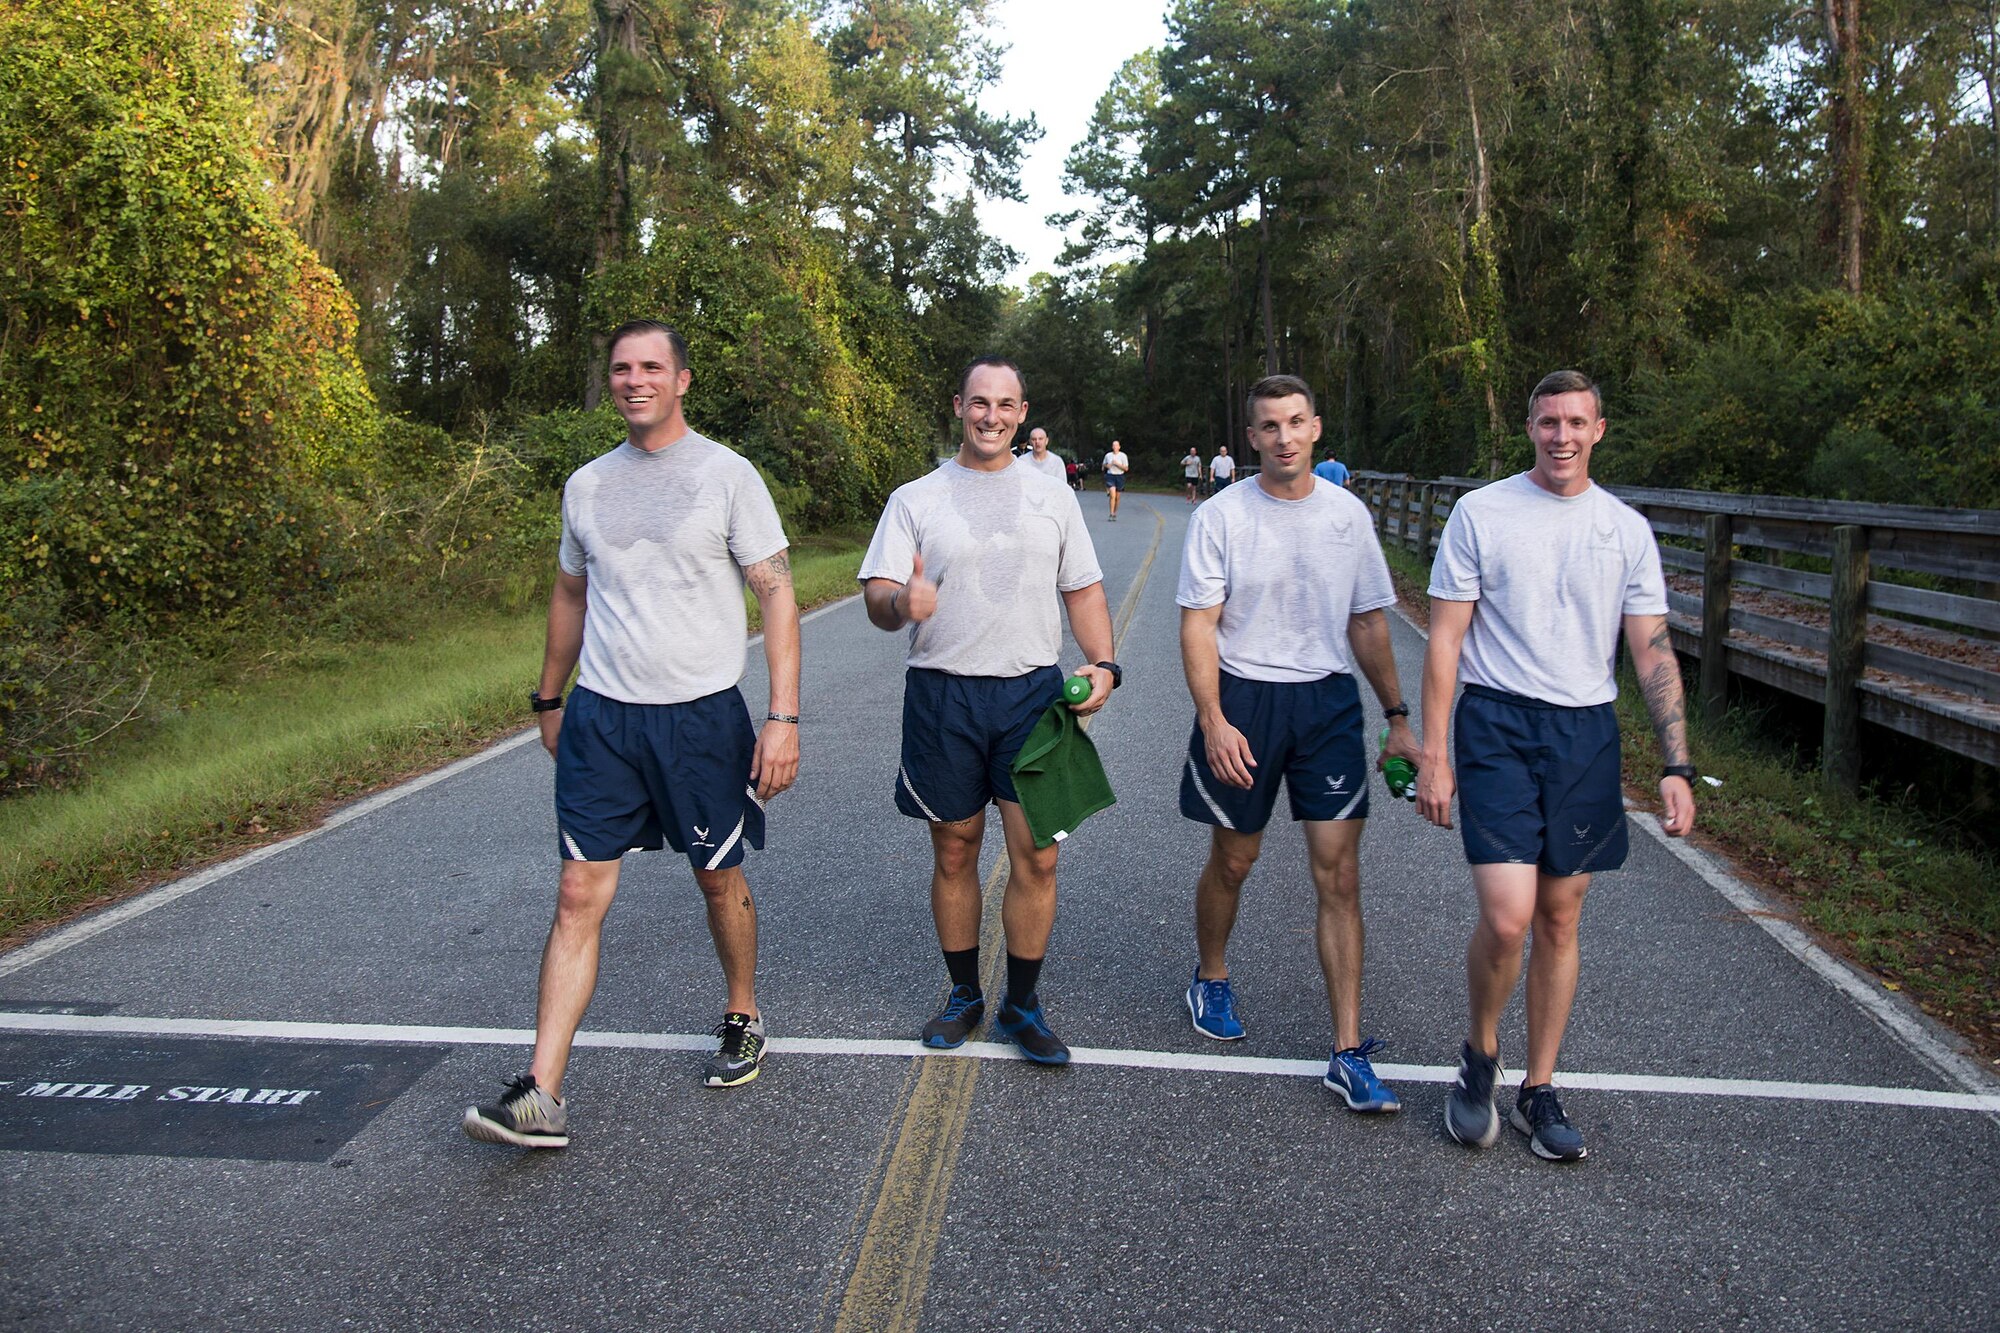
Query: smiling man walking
(967, 559)
(1535, 576)
(1283, 593)
(654, 746)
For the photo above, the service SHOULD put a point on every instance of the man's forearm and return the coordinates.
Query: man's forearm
(565, 638)
(1090, 621)
(1659, 672)
(1201, 662)
(777, 601)
(1368, 635)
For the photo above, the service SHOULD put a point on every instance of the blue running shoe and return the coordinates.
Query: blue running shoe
(1026, 1028)
(1540, 1116)
(1212, 1005)
(960, 1017)
(1349, 1074)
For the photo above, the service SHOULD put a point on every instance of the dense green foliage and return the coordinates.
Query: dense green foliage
(1775, 242)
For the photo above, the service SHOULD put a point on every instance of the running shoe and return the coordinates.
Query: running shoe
(737, 1059)
(1540, 1116)
(525, 1116)
(1212, 1006)
(1469, 1113)
(964, 1009)
(1349, 1074)
(1026, 1028)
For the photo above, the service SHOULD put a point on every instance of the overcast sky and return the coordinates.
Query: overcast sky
(1061, 58)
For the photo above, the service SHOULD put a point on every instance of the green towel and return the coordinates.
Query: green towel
(1059, 777)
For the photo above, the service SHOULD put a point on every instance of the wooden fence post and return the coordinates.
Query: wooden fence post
(1379, 502)
(1719, 530)
(1427, 497)
(1846, 639)
(1403, 513)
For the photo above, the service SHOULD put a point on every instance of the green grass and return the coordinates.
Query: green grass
(1887, 883)
(261, 744)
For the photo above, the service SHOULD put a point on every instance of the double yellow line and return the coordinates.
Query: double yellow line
(913, 1172)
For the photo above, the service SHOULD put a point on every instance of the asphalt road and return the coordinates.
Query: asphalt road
(303, 1032)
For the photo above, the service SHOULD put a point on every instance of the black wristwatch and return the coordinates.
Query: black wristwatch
(541, 705)
(1400, 710)
(1685, 772)
(1117, 672)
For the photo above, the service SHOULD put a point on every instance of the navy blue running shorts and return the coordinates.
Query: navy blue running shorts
(1307, 732)
(636, 777)
(1538, 783)
(960, 736)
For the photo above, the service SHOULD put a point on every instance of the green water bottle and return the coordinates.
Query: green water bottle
(1076, 689)
(1399, 773)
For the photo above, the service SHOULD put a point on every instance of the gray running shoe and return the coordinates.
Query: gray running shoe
(525, 1116)
(1540, 1116)
(737, 1060)
(1469, 1113)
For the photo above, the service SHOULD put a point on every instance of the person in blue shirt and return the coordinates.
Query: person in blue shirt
(1332, 469)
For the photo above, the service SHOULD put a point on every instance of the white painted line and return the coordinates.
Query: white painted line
(112, 917)
(1193, 1062)
(69, 936)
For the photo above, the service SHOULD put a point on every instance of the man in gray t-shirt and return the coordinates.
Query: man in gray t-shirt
(654, 745)
(1536, 575)
(1283, 592)
(1039, 457)
(971, 560)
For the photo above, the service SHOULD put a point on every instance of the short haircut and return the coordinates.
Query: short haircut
(965, 376)
(630, 327)
(1279, 386)
(1566, 381)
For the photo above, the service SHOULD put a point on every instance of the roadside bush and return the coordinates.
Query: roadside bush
(175, 364)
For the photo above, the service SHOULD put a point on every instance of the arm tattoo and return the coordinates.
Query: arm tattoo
(767, 576)
(1662, 688)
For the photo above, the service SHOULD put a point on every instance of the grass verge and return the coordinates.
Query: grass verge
(267, 754)
(1881, 882)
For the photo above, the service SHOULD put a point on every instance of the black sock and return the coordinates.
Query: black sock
(963, 964)
(1022, 974)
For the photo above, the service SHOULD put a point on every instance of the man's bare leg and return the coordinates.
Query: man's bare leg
(732, 924)
(1493, 958)
(1335, 846)
(955, 897)
(569, 965)
(1217, 895)
(1028, 909)
(1553, 959)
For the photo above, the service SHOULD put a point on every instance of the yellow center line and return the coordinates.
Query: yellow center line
(912, 1179)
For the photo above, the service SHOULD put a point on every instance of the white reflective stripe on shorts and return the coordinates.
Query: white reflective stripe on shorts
(1202, 788)
(1349, 807)
(715, 862)
(751, 792)
(930, 814)
(575, 852)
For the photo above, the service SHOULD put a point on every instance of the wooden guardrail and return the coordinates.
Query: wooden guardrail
(1844, 663)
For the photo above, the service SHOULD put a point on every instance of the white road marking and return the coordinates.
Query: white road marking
(1192, 1062)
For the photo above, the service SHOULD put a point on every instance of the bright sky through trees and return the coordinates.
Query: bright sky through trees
(1061, 58)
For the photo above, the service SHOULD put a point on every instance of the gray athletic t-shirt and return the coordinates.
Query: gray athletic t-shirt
(1048, 465)
(663, 537)
(1553, 577)
(1288, 574)
(999, 545)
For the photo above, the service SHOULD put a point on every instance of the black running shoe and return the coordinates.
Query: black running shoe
(1469, 1113)
(525, 1116)
(1540, 1116)
(1030, 1031)
(737, 1060)
(964, 1009)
